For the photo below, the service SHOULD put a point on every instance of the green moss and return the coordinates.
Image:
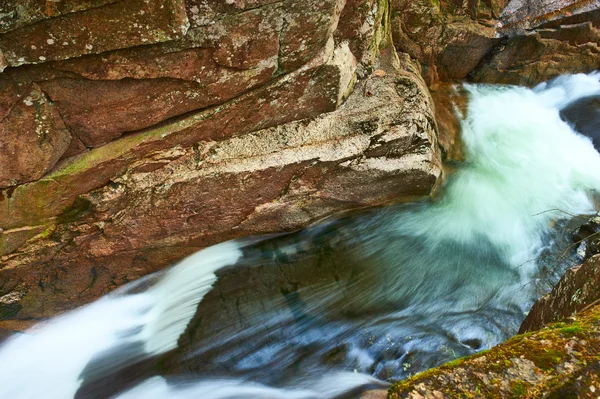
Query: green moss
(572, 330)
(518, 388)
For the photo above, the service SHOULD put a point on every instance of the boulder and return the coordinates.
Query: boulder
(577, 290)
(232, 131)
(584, 116)
(375, 149)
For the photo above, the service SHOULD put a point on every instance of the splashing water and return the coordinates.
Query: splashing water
(386, 293)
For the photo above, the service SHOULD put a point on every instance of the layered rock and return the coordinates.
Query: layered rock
(164, 149)
(551, 49)
(525, 43)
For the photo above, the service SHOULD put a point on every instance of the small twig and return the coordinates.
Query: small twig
(526, 262)
(563, 253)
(597, 301)
(558, 210)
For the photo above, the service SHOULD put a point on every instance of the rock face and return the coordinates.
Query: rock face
(449, 38)
(526, 42)
(221, 122)
(545, 52)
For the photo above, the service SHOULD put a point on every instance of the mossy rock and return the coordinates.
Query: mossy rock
(560, 361)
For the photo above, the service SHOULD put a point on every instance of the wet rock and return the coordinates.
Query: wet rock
(131, 204)
(384, 139)
(577, 290)
(584, 116)
(450, 107)
(172, 202)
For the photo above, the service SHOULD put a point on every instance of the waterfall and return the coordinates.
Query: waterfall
(440, 278)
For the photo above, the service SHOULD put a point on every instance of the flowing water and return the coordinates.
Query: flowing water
(371, 297)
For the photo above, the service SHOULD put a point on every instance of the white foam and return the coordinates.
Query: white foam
(525, 168)
(47, 362)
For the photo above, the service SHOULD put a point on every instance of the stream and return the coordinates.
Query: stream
(351, 303)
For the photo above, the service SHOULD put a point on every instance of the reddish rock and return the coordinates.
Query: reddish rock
(32, 135)
(226, 140)
(465, 47)
(296, 96)
(122, 106)
(448, 39)
(306, 28)
(356, 23)
(15, 14)
(371, 151)
(576, 291)
(113, 26)
(450, 101)
(542, 55)
(75, 148)
(237, 53)
(523, 15)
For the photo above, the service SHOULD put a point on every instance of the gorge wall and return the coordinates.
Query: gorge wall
(134, 133)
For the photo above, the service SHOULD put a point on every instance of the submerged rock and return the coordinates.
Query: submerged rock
(378, 138)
